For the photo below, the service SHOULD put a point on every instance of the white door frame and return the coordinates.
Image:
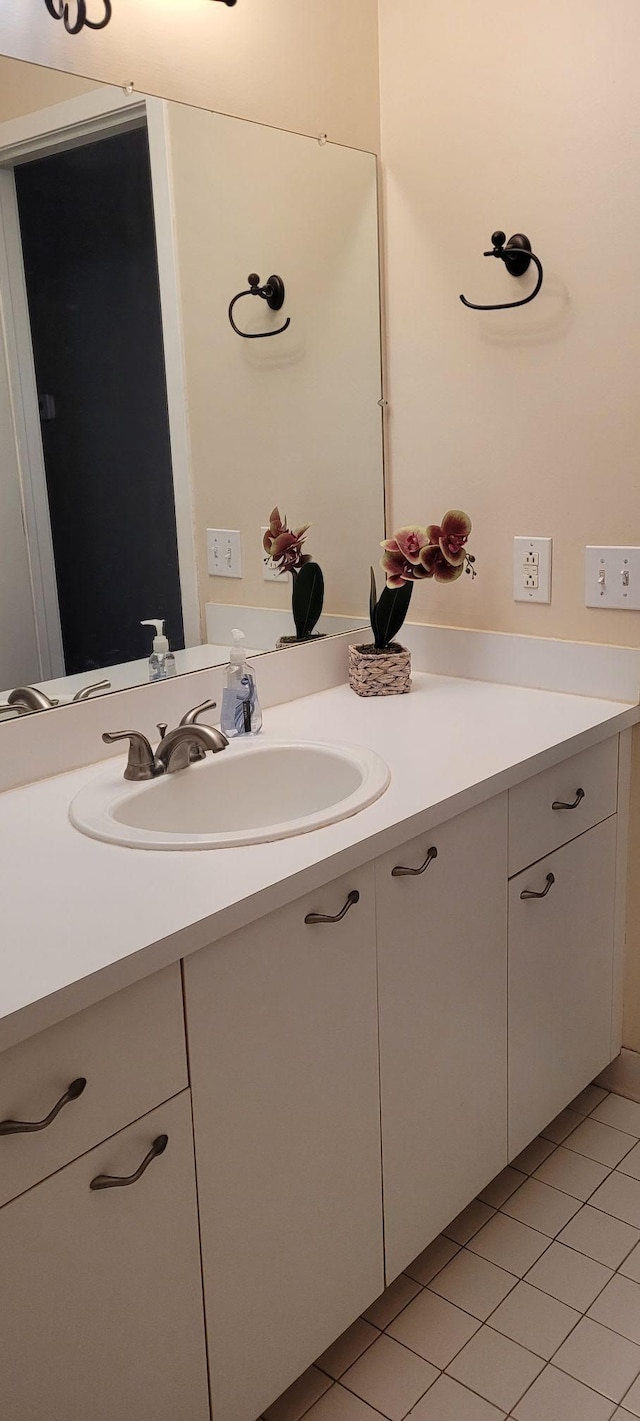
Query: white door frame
(51, 130)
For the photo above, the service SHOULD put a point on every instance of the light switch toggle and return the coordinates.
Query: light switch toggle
(224, 552)
(612, 578)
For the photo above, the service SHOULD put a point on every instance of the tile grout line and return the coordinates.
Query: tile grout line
(482, 1323)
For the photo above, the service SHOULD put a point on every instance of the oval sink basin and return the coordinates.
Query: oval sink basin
(250, 793)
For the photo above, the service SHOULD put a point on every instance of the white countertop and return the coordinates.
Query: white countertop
(82, 919)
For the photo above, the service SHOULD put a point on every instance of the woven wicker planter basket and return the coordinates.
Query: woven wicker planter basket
(380, 673)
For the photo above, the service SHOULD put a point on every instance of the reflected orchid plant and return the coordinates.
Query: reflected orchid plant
(284, 545)
(439, 551)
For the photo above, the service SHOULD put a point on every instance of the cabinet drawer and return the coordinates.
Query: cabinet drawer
(101, 1291)
(130, 1049)
(536, 827)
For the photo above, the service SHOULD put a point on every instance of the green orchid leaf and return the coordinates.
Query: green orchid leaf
(307, 598)
(391, 611)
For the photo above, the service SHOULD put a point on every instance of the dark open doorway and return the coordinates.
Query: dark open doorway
(88, 239)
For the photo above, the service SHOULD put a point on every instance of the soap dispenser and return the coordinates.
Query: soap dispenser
(241, 711)
(162, 662)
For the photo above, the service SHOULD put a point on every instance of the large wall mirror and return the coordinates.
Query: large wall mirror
(144, 442)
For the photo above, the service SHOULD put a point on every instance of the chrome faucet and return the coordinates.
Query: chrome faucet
(177, 749)
(27, 698)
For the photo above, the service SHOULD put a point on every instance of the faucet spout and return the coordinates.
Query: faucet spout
(175, 750)
(28, 698)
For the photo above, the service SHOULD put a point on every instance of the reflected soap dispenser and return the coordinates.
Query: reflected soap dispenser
(241, 710)
(162, 662)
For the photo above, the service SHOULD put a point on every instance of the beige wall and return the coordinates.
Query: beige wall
(24, 88)
(294, 420)
(306, 65)
(524, 119)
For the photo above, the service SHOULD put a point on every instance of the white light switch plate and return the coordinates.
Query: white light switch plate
(612, 578)
(224, 552)
(532, 569)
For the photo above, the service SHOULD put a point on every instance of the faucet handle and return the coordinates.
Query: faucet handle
(88, 691)
(142, 763)
(191, 717)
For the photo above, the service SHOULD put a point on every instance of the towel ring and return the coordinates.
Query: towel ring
(273, 293)
(517, 257)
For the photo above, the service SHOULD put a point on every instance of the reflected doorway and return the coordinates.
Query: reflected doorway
(87, 232)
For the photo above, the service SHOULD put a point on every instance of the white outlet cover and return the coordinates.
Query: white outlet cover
(270, 569)
(525, 550)
(612, 578)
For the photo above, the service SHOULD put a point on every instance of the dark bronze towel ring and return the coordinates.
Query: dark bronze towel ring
(273, 293)
(517, 257)
(75, 21)
(75, 15)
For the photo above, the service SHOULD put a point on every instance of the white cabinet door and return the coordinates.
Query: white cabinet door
(101, 1315)
(443, 981)
(282, 1031)
(560, 979)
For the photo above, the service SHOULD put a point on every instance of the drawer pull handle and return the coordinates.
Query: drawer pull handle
(352, 898)
(527, 892)
(115, 1181)
(400, 872)
(29, 1127)
(560, 804)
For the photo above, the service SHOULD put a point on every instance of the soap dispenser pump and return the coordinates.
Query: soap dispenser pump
(241, 710)
(162, 662)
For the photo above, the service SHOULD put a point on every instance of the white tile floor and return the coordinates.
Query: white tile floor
(528, 1305)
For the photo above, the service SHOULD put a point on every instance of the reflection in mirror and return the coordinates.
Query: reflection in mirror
(146, 444)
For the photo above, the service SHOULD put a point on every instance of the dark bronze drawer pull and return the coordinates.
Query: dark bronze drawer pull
(400, 872)
(29, 1127)
(527, 893)
(559, 803)
(352, 898)
(114, 1181)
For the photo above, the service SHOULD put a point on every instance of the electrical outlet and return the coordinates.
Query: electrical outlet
(224, 552)
(270, 571)
(532, 569)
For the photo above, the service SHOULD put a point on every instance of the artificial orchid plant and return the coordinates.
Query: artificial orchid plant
(411, 555)
(284, 546)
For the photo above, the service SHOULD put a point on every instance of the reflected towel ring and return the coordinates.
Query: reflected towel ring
(273, 293)
(60, 10)
(517, 256)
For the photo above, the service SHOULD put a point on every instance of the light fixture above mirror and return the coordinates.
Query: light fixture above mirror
(74, 14)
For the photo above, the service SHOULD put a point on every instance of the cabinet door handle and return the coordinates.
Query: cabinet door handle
(527, 892)
(114, 1181)
(29, 1127)
(400, 872)
(560, 804)
(352, 898)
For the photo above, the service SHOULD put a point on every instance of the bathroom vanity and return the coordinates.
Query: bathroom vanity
(292, 1109)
